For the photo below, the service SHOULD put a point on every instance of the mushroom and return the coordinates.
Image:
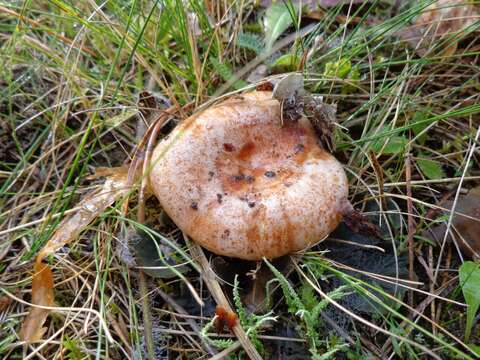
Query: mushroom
(242, 184)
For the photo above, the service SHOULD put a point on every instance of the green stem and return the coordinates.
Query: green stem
(147, 316)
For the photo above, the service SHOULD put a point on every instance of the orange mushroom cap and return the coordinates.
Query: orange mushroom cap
(243, 185)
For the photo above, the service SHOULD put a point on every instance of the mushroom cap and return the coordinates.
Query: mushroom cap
(243, 185)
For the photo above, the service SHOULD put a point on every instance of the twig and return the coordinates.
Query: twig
(223, 354)
(445, 279)
(411, 224)
(219, 296)
(432, 288)
(377, 168)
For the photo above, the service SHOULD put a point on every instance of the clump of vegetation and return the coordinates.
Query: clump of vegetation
(308, 308)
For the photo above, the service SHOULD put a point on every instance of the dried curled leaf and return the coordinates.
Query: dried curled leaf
(42, 294)
(441, 19)
(90, 208)
(296, 102)
(447, 17)
(465, 224)
(115, 187)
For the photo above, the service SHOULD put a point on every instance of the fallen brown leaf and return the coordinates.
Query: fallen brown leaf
(440, 19)
(5, 302)
(115, 187)
(90, 208)
(466, 224)
(42, 294)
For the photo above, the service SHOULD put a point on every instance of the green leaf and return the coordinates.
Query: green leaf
(470, 283)
(339, 69)
(475, 348)
(250, 41)
(395, 145)
(226, 73)
(286, 63)
(419, 124)
(277, 19)
(431, 169)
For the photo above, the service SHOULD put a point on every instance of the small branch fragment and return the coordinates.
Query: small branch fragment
(411, 224)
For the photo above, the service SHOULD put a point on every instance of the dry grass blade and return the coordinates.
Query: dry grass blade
(411, 225)
(457, 194)
(75, 78)
(36, 24)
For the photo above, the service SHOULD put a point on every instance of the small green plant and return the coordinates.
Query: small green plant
(7, 337)
(343, 69)
(470, 283)
(226, 73)
(74, 352)
(308, 308)
(218, 343)
(250, 322)
(250, 41)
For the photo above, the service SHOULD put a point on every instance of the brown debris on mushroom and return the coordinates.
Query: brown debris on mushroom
(296, 102)
(240, 141)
